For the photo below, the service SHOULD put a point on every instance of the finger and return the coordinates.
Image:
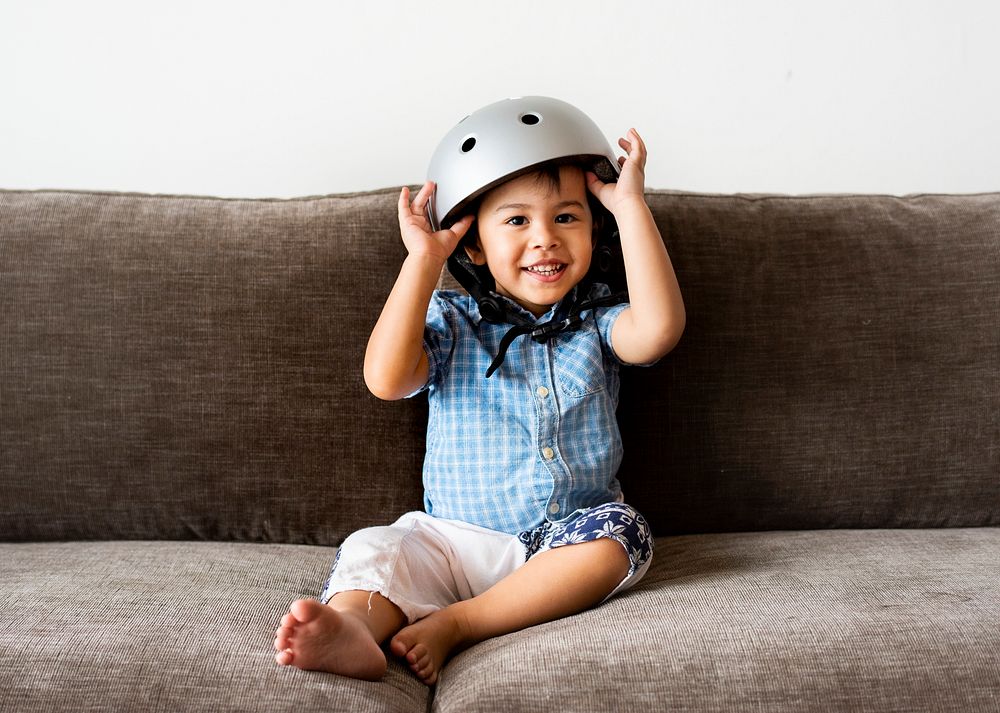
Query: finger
(640, 145)
(462, 226)
(639, 140)
(424, 195)
(404, 204)
(621, 162)
(594, 184)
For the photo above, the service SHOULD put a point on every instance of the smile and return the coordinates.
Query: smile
(545, 270)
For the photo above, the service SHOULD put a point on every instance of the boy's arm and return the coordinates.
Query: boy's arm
(395, 362)
(653, 323)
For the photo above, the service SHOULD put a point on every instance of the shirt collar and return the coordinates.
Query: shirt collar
(477, 317)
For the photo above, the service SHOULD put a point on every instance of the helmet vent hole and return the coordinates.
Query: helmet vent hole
(469, 144)
(530, 119)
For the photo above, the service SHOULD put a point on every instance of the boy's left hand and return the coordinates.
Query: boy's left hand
(631, 182)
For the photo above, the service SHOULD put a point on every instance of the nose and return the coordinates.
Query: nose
(544, 237)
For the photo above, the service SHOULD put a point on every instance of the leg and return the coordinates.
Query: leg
(407, 560)
(342, 637)
(551, 585)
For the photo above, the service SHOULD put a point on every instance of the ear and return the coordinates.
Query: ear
(475, 252)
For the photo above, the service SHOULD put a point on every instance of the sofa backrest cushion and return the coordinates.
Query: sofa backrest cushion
(190, 367)
(840, 366)
(183, 367)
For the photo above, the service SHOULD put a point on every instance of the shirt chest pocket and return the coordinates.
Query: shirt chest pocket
(579, 363)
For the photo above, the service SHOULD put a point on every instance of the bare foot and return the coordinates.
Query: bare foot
(426, 644)
(316, 637)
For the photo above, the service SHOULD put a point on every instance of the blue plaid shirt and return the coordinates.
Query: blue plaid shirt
(536, 441)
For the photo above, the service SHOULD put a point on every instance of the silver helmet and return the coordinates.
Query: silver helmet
(502, 141)
(506, 139)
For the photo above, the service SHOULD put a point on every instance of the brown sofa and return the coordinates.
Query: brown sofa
(185, 438)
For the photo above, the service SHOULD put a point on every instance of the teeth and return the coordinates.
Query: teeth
(547, 270)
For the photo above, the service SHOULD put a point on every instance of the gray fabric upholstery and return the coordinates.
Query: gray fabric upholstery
(185, 367)
(168, 626)
(181, 367)
(839, 367)
(884, 620)
(847, 620)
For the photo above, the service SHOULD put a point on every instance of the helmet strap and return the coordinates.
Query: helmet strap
(567, 319)
(494, 308)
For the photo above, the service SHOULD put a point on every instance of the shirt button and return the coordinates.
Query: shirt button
(548, 453)
(542, 392)
(554, 508)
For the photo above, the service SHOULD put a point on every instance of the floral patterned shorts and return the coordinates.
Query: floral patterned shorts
(616, 521)
(423, 563)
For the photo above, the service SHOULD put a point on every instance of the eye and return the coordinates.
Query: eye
(565, 218)
(513, 221)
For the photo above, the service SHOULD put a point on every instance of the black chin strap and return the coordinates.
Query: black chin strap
(492, 307)
(566, 320)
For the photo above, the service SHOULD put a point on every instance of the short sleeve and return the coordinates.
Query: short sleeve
(606, 318)
(439, 339)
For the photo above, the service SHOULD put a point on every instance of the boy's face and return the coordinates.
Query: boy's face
(536, 240)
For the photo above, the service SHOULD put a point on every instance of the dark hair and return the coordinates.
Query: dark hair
(547, 172)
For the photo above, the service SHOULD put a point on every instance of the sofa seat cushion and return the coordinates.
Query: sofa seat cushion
(838, 620)
(168, 626)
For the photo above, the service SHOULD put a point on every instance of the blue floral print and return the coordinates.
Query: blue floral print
(617, 521)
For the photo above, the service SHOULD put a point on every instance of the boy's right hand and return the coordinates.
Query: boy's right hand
(415, 229)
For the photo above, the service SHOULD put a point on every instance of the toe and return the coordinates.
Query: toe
(284, 657)
(283, 637)
(417, 655)
(399, 646)
(422, 665)
(305, 610)
(428, 675)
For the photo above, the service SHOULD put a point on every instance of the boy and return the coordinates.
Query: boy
(524, 518)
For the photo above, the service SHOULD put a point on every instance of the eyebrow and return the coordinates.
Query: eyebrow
(524, 206)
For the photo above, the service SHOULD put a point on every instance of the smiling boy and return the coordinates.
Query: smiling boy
(524, 518)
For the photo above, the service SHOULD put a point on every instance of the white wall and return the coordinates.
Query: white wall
(255, 98)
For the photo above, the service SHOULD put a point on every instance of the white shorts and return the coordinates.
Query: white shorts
(423, 563)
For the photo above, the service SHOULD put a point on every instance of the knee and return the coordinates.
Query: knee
(625, 525)
(613, 554)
